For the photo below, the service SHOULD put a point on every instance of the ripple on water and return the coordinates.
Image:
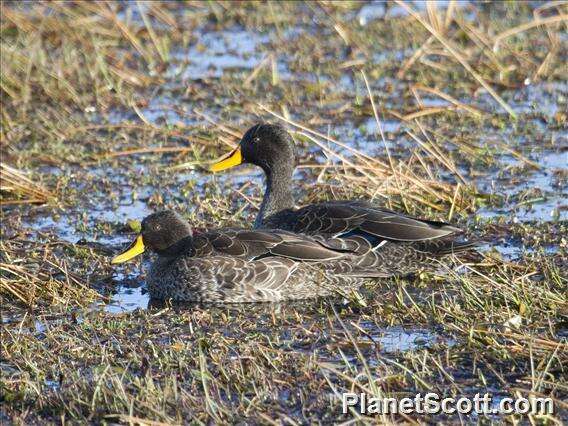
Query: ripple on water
(400, 339)
(216, 52)
(537, 196)
(127, 299)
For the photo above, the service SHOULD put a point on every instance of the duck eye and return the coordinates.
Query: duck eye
(256, 140)
(157, 227)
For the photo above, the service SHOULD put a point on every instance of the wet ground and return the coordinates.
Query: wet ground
(525, 183)
(513, 173)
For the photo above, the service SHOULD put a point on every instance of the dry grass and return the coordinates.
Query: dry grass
(98, 60)
(20, 189)
(215, 364)
(35, 273)
(107, 96)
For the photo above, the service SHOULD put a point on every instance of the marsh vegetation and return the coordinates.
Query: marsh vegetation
(452, 111)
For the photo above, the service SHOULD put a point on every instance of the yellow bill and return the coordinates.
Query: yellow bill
(136, 248)
(234, 159)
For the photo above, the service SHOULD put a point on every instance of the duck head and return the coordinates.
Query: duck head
(165, 233)
(266, 145)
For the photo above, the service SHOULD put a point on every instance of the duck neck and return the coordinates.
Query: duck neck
(278, 193)
(183, 246)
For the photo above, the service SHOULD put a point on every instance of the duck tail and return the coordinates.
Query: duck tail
(446, 247)
(454, 247)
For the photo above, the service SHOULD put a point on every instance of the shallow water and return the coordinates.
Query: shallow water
(537, 194)
(217, 52)
(127, 299)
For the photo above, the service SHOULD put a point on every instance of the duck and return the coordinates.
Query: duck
(242, 265)
(395, 243)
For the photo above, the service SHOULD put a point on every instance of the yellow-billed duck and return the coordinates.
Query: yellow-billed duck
(238, 265)
(394, 243)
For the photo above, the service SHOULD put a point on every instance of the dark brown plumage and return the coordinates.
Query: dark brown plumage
(236, 265)
(394, 243)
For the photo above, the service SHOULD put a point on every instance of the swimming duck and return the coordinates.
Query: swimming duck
(396, 243)
(238, 265)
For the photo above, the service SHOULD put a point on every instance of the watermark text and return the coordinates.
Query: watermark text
(432, 403)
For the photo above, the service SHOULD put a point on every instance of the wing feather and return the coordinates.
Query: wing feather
(347, 218)
(249, 245)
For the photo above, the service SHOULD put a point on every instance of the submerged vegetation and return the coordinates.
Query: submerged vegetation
(450, 112)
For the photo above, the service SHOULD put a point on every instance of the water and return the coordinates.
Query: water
(110, 196)
(400, 339)
(541, 194)
(127, 299)
(382, 10)
(72, 225)
(217, 52)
